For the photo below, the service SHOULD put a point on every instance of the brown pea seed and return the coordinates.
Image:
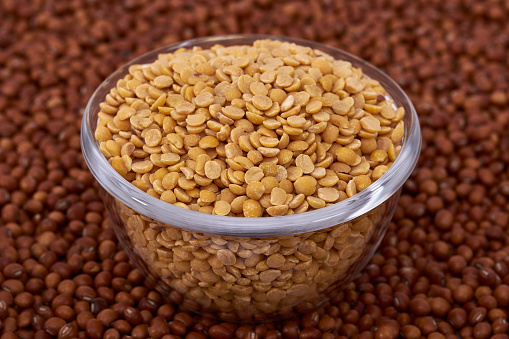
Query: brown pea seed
(469, 130)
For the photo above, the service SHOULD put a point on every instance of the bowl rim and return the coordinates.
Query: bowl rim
(346, 210)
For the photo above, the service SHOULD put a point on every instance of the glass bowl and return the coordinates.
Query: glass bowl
(250, 269)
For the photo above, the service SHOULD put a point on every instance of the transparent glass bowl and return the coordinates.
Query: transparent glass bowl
(250, 269)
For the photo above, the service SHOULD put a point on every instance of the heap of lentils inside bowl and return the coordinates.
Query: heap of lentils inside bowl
(267, 129)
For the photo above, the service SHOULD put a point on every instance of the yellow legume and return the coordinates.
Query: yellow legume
(252, 208)
(271, 130)
(305, 185)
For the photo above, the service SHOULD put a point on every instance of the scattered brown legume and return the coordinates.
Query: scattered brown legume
(53, 58)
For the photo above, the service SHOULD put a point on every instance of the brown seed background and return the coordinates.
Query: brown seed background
(443, 267)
